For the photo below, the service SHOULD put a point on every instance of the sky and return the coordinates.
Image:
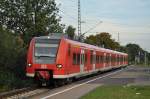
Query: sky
(129, 18)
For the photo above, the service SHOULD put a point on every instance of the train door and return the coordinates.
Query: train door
(94, 60)
(116, 60)
(82, 60)
(104, 60)
(119, 60)
(123, 60)
(110, 60)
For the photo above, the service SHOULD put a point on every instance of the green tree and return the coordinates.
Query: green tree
(11, 47)
(134, 51)
(12, 60)
(104, 40)
(91, 40)
(70, 31)
(30, 17)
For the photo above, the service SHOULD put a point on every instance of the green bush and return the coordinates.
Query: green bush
(12, 61)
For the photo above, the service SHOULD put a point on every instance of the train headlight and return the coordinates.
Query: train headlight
(59, 66)
(29, 65)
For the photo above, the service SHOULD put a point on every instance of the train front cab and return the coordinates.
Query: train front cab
(44, 60)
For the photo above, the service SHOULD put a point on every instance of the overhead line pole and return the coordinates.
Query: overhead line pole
(79, 19)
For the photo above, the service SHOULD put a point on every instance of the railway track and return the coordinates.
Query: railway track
(16, 92)
(24, 93)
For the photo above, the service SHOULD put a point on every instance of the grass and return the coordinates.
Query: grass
(119, 92)
(143, 65)
(3, 88)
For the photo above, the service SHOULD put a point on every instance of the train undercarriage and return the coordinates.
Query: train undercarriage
(45, 78)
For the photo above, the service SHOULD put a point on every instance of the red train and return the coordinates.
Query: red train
(52, 58)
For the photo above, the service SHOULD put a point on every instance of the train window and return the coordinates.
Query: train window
(120, 58)
(82, 58)
(104, 59)
(74, 58)
(91, 59)
(113, 59)
(85, 58)
(109, 58)
(47, 41)
(78, 58)
(117, 58)
(45, 50)
(94, 59)
(97, 59)
(101, 59)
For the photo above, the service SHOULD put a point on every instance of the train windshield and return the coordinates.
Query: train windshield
(46, 50)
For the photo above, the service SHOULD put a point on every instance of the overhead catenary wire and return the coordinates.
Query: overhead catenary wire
(92, 28)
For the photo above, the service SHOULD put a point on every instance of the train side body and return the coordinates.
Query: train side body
(72, 59)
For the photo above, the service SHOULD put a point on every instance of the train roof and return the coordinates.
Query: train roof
(84, 45)
(92, 47)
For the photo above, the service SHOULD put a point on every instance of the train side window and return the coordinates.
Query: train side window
(121, 59)
(109, 58)
(106, 59)
(118, 59)
(113, 59)
(78, 58)
(91, 59)
(94, 59)
(85, 58)
(97, 59)
(102, 59)
(74, 58)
